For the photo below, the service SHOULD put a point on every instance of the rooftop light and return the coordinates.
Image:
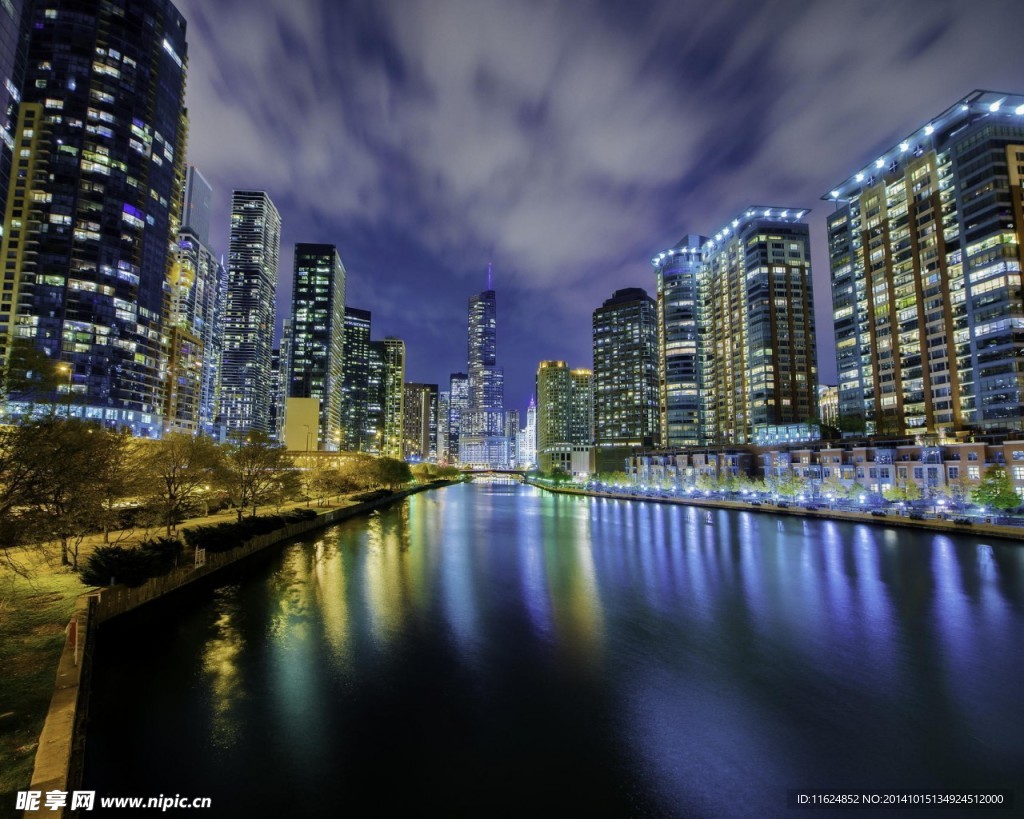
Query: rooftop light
(995, 106)
(1019, 110)
(834, 194)
(904, 147)
(929, 129)
(859, 177)
(767, 211)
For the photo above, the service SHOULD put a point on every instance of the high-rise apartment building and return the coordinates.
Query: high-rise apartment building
(13, 46)
(375, 380)
(94, 205)
(482, 440)
(444, 403)
(679, 376)
(357, 432)
(458, 401)
(926, 253)
(198, 288)
(625, 333)
(420, 422)
(393, 397)
(758, 360)
(512, 436)
(563, 413)
(316, 367)
(249, 312)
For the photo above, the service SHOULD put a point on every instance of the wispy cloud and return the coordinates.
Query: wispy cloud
(567, 141)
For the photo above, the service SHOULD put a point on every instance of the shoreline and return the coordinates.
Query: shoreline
(59, 755)
(943, 526)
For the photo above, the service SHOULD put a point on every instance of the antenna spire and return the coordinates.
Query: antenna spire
(490, 273)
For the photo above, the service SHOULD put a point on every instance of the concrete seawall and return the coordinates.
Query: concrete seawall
(59, 757)
(945, 526)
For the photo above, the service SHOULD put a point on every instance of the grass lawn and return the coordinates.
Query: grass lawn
(33, 616)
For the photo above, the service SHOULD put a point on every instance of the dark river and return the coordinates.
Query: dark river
(499, 651)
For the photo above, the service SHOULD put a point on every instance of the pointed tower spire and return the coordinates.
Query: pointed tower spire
(490, 266)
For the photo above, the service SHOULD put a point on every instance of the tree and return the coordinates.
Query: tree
(391, 472)
(74, 467)
(30, 373)
(996, 490)
(179, 468)
(254, 473)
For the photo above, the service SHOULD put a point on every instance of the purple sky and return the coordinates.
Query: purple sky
(567, 142)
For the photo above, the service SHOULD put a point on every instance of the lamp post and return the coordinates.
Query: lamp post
(66, 369)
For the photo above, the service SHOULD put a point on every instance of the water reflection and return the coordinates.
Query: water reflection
(220, 668)
(621, 656)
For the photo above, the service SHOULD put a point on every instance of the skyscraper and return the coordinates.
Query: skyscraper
(758, 353)
(95, 204)
(482, 439)
(375, 403)
(925, 249)
(512, 436)
(249, 312)
(393, 396)
(444, 404)
(13, 45)
(679, 376)
(316, 367)
(198, 284)
(563, 418)
(195, 211)
(420, 422)
(357, 431)
(625, 377)
(528, 444)
(458, 402)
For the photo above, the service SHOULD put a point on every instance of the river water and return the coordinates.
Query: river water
(491, 651)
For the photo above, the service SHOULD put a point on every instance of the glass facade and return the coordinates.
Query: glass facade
(357, 432)
(249, 312)
(95, 201)
(679, 335)
(317, 362)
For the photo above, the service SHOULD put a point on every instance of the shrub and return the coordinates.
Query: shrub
(163, 554)
(117, 564)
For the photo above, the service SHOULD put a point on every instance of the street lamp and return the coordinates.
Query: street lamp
(66, 369)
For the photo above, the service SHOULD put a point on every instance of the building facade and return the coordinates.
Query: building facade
(680, 407)
(357, 431)
(758, 359)
(563, 419)
(317, 363)
(420, 422)
(249, 312)
(482, 440)
(625, 332)
(458, 402)
(94, 204)
(393, 398)
(925, 253)
(198, 289)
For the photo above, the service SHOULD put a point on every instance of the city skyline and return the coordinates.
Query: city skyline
(709, 130)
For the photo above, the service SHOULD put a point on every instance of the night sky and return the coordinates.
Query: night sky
(565, 142)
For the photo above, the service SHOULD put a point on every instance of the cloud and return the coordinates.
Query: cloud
(566, 141)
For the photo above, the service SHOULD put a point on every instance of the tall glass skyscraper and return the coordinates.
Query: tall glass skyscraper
(198, 289)
(357, 433)
(482, 440)
(679, 377)
(926, 252)
(249, 312)
(625, 334)
(458, 401)
(393, 395)
(317, 363)
(95, 201)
